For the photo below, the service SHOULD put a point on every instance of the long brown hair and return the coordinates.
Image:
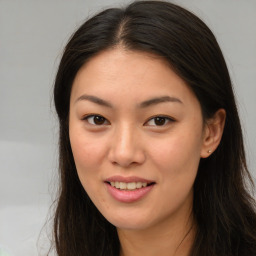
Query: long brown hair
(223, 208)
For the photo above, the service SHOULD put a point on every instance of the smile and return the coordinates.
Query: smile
(128, 189)
(128, 186)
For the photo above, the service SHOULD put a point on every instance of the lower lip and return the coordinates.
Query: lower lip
(128, 196)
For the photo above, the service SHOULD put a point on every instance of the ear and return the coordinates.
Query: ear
(213, 131)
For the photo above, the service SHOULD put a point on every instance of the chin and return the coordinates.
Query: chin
(130, 221)
(130, 224)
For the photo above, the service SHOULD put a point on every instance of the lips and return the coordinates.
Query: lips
(128, 186)
(128, 179)
(128, 183)
(128, 189)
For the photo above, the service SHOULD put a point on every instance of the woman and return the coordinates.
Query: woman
(151, 151)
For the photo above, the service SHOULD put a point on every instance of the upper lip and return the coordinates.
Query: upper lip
(128, 179)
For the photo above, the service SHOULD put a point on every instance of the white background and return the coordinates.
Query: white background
(32, 36)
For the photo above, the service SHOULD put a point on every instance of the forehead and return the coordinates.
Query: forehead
(118, 74)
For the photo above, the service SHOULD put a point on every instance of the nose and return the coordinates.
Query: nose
(126, 147)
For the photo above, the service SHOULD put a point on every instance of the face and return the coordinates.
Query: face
(136, 133)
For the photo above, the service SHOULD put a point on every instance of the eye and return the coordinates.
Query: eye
(96, 120)
(159, 121)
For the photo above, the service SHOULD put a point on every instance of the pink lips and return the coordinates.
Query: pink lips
(128, 196)
(128, 179)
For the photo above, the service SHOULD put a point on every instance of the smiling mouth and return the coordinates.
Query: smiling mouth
(129, 185)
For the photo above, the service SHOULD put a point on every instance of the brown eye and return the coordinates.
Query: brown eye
(159, 121)
(96, 120)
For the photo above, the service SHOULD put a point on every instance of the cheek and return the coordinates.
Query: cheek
(178, 156)
(87, 151)
(88, 156)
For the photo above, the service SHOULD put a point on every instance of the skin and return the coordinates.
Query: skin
(128, 142)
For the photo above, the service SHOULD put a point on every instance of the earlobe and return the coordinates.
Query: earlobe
(213, 133)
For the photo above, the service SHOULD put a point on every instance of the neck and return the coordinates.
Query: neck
(168, 239)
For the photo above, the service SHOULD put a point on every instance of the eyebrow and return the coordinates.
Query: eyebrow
(94, 99)
(158, 100)
(143, 104)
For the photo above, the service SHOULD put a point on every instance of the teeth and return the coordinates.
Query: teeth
(128, 186)
(123, 185)
(131, 185)
(139, 185)
(117, 185)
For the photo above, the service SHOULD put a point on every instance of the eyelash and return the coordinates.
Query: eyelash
(104, 121)
(167, 120)
(86, 118)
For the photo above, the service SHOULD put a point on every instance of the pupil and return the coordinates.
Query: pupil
(159, 120)
(99, 120)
